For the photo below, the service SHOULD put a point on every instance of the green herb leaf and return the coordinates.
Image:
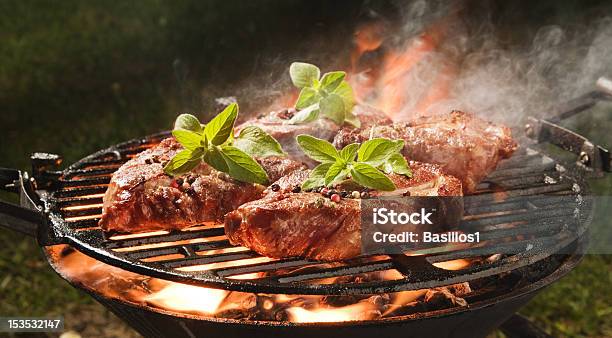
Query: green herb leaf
(188, 122)
(242, 167)
(219, 129)
(368, 176)
(308, 96)
(330, 81)
(331, 94)
(318, 149)
(348, 153)
(215, 159)
(256, 142)
(345, 91)
(188, 139)
(304, 74)
(376, 151)
(309, 114)
(332, 107)
(336, 173)
(183, 162)
(397, 164)
(317, 176)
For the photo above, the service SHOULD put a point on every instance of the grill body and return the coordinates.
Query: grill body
(73, 200)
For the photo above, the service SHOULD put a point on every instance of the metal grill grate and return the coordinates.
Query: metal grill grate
(529, 229)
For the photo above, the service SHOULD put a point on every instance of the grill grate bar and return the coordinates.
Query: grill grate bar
(77, 201)
(208, 259)
(79, 191)
(348, 270)
(262, 267)
(171, 237)
(148, 253)
(515, 247)
(517, 216)
(85, 182)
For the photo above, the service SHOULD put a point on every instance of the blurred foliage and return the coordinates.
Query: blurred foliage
(76, 76)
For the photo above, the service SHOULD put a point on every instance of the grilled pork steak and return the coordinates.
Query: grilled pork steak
(465, 146)
(142, 197)
(277, 125)
(306, 224)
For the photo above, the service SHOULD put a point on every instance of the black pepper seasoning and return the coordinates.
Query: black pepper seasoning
(296, 189)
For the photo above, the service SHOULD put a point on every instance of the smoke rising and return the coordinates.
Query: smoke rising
(503, 72)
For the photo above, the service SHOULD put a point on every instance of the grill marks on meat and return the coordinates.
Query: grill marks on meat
(141, 197)
(297, 225)
(276, 124)
(465, 146)
(285, 224)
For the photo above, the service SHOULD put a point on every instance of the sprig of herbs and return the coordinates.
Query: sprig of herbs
(328, 96)
(215, 144)
(363, 163)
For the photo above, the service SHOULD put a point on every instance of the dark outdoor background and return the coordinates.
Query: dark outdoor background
(77, 76)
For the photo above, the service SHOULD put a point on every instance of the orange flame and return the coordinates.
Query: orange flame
(141, 290)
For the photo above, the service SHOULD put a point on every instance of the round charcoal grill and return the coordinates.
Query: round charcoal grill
(530, 208)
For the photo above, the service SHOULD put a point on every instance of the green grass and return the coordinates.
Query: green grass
(77, 76)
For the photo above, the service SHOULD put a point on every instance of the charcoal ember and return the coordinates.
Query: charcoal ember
(238, 314)
(341, 300)
(442, 298)
(379, 300)
(461, 289)
(416, 306)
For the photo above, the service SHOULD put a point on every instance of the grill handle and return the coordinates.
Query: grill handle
(590, 156)
(28, 217)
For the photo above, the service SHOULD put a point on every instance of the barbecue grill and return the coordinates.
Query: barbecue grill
(512, 206)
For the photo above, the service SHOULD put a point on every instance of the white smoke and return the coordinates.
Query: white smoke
(500, 80)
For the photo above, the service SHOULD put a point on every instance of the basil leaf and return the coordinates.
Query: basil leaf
(317, 176)
(188, 122)
(219, 129)
(332, 107)
(242, 167)
(214, 158)
(348, 153)
(304, 74)
(188, 139)
(397, 164)
(370, 177)
(183, 162)
(256, 142)
(376, 151)
(345, 91)
(317, 149)
(308, 97)
(308, 114)
(332, 80)
(336, 173)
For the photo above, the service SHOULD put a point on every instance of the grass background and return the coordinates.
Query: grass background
(78, 76)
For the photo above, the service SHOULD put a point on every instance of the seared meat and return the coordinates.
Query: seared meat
(464, 145)
(142, 197)
(277, 167)
(276, 124)
(306, 224)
